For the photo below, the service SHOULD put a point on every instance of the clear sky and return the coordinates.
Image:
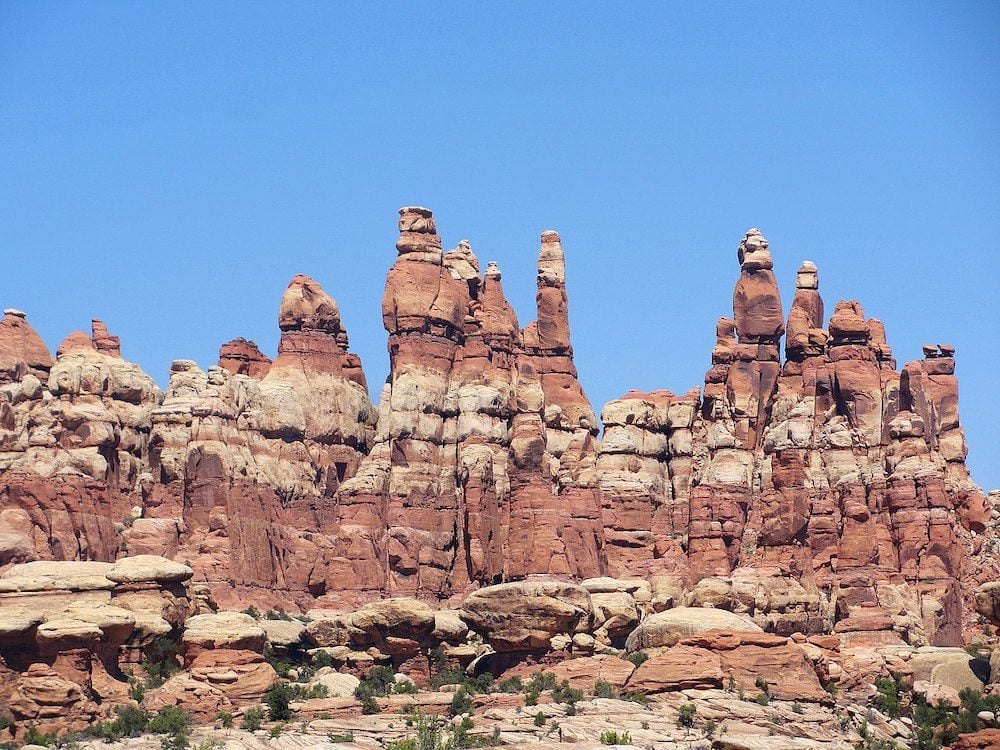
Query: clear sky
(169, 166)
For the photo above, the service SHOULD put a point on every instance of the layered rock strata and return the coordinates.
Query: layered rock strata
(817, 490)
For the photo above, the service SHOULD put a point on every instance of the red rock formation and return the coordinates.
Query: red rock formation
(483, 469)
(22, 351)
(104, 341)
(243, 357)
(829, 487)
(243, 470)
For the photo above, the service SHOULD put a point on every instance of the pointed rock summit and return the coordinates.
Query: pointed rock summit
(822, 492)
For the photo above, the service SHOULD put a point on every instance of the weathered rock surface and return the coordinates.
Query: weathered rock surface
(826, 491)
(674, 625)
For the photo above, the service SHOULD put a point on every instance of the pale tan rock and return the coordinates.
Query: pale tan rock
(337, 684)
(51, 575)
(148, 568)
(449, 626)
(669, 627)
(525, 615)
(283, 633)
(225, 630)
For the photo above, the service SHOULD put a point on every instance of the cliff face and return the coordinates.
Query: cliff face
(823, 489)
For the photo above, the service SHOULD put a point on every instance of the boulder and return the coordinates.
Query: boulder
(223, 630)
(673, 625)
(526, 614)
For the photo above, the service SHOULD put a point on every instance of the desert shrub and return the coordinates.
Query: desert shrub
(450, 675)
(686, 714)
(175, 724)
(252, 719)
(461, 703)
(480, 684)
(225, 719)
(510, 685)
(540, 719)
(542, 681)
(887, 696)
(638, 657)
(277, 698)
(566, 694)
(641, 698)
(603, 689)
(304, 692)
(616, 738)
(34, 737)
(378, 681)
(160, 663)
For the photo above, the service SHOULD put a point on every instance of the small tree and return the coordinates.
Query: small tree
(252, 719)
(277, 698)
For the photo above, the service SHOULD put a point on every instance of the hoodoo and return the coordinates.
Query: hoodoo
(826, 474)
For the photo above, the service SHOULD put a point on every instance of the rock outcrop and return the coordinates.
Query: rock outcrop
(69, 629)
(823, 491)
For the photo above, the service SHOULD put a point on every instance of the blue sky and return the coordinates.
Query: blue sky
(169, 166)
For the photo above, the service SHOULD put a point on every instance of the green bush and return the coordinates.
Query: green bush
(345, 737)
(887, 696)
(540, 719)
(160, 663)
(5, 722)
(638, 657)
(762, 699)
(379, 681)
(169, 720)
(34, 737)
(542, 681)
(277, 698)
(252, 611)
(225, 719)
(510, 685)
(480, 684)
(322, 659)
(369, 705)
(130, 722)
(429, 736)
(685, 718)
(614, 738)
(252, 719)
(450, 675)
(302, 692)
(641, 698)
(603, 689)
(175, 724)
(566, 694)
(461, 703)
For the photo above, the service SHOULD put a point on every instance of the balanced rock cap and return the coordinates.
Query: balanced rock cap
(753, 251)
(807, 276)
